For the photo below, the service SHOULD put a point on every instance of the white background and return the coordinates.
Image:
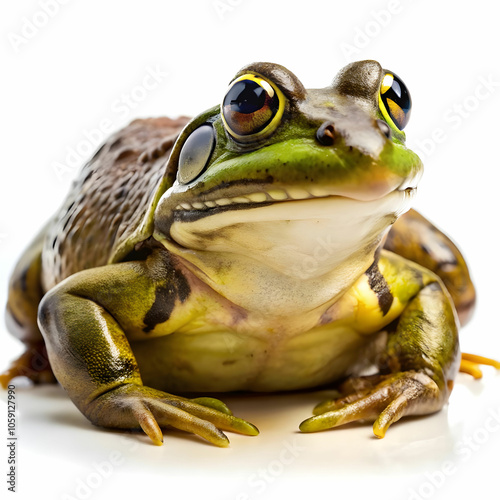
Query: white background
(59, 85)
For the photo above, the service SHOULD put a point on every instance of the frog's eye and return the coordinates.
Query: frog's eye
(195, 153)
(252, 108)
(394, 101)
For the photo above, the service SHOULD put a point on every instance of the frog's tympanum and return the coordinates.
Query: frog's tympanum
(256, 247)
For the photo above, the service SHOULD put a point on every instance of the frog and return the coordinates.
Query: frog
(268, 244)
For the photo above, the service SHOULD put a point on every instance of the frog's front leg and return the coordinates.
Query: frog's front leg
(85, 321)
(417, 365)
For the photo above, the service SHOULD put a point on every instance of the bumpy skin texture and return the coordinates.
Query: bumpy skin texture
(109, 199)
(107, 203)
(128, 316)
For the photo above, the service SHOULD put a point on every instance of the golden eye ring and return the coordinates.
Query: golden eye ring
(394, 101)
(252, 108)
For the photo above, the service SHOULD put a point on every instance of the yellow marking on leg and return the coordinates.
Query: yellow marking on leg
(368, 317)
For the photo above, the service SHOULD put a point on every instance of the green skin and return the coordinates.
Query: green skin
(213, 299)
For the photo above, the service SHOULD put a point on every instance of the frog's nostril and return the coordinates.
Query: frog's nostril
(326, 134)
(384, 128)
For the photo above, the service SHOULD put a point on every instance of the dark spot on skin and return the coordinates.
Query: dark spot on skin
(23, 280)
(176, 288)
(115, 144)
(121, 194)
(425, 248)
(125, 153)
(161, 309)
(229, 362)
(68, 218)
(143, 158)
(448, 264)
(378, 284)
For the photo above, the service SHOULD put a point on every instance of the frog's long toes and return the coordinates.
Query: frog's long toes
(131, 406)
(336, 404)
(361, 409)
(221, 419)
(406, 393)
(244, 427)
(324, 406)
(167, 414)
(149, 426)
(390, 415)
(320, 423)
(470, 363)
(33, 364)
(214, 403)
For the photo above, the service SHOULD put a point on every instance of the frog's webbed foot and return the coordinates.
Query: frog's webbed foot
(380, 398)
(33, 364)
(134, 406)
(470, 363)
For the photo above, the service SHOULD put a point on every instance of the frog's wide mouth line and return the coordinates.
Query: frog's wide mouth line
(190, 211)
(307, 210)
(280, 235)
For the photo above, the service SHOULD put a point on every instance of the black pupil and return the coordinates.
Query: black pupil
(245, 96)
(399, 94)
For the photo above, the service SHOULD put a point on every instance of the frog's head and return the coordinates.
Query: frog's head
(282, 175)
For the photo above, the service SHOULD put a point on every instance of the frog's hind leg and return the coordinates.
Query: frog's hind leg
(418, 240)
(415, 238)
(25, 293)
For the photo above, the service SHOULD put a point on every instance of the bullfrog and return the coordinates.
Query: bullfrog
(267, 244)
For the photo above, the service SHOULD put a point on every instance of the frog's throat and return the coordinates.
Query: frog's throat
(288, 256)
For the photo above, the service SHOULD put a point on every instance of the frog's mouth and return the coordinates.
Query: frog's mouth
(280, 256)
(206, 205)
(282, 229)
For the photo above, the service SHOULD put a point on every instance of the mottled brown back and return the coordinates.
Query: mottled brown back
(108, 199)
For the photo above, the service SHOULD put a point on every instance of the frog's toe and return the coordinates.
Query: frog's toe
(351, 390)
(335, 404)
(133, 406)
(222, 419)
(33, 364)
(471, 364)
(216, 404)
(397, 395)
(160, 414)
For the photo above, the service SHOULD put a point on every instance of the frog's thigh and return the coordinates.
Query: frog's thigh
(84, 320)
(417, 365)
(415, 238)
